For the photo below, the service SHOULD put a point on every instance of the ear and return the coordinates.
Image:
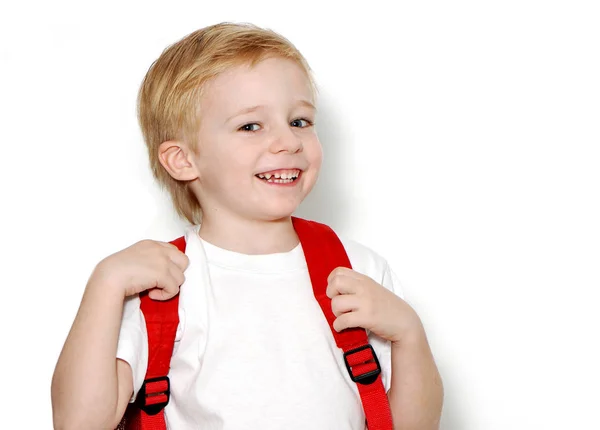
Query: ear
(177, 158)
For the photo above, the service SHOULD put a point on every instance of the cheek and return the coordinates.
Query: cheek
(242, 161)
(314, 152)
(231, 160)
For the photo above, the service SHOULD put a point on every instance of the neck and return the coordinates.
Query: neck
(249, 236)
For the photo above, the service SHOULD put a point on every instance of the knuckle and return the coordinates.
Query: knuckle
(338, 271)
(336, 279)
(145, 242)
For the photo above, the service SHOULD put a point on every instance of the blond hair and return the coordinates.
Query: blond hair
(169, 97)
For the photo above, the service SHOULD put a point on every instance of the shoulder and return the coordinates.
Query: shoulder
(368, 262)
(364, 259)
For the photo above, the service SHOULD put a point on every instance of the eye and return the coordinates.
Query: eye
(250, 127)
(301, 123)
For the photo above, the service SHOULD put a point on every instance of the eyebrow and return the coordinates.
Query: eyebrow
(251, 109)
(307, 104)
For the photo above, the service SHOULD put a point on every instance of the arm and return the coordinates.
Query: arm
(416, 389)
(90, 387)
(416, 392)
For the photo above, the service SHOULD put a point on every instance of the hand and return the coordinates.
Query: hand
(146, 265)
(359, 301)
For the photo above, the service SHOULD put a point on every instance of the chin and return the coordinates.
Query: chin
(276, 216)
(280, 212)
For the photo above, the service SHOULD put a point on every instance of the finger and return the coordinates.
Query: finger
(167, 286)
(172, 283)
(168, 245)
(178, 276)
(157, 294)
(332, 291)
(350, 273)
(347, 320)
(338, 271)
(340, 284)
(344, 303)
(160, 294)
(178, 258)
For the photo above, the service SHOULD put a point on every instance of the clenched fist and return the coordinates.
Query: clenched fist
(146, 265)
(359, 301)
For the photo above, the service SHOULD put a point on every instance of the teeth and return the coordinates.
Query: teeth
(280, 181)
(280, 177)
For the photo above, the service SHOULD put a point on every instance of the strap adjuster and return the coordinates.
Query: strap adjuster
(362, 364)
(154, 395)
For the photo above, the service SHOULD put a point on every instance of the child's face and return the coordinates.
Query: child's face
(257, 122)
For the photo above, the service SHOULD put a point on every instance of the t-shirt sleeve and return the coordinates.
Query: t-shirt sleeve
(381, 346)
(133, 341)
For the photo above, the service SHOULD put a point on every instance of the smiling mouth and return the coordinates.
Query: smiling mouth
(280, 177)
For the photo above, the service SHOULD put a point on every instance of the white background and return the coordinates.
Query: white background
(462, 142)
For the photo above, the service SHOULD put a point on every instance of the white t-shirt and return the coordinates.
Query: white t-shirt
(253, 349)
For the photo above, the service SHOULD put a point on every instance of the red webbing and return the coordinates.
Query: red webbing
(324, 252)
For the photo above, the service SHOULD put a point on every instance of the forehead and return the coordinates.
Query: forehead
(271, 82)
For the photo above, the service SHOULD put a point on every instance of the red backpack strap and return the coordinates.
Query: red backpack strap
(162, 319)
(324, 252)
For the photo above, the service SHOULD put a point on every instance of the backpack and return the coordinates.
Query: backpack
(323, 252)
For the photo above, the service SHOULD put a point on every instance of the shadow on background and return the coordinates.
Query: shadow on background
(329, 201)
(452, 413)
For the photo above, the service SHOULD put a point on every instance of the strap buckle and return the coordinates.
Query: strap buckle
(362, 364)
(154, 395)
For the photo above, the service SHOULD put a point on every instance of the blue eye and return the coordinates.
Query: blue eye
(301, 123)
(250, 127)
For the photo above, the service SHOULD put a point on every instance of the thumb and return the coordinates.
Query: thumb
(161, 294)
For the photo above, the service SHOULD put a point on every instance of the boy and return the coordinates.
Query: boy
(228, 116)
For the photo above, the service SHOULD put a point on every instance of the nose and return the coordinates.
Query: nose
(285, 140)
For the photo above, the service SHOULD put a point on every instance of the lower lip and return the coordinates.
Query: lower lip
(276, 184)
